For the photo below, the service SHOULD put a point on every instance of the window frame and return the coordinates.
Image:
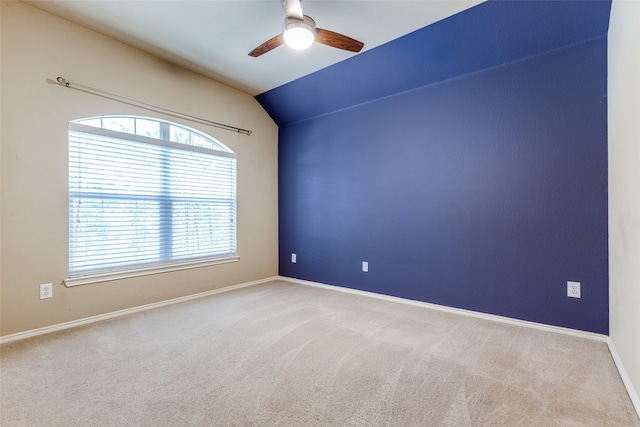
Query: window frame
(117, 273)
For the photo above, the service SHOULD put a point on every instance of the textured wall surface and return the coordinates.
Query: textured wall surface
(37, 46)
(624, 186)
(486, 191)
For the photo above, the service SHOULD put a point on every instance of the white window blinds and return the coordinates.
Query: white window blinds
(139, 202)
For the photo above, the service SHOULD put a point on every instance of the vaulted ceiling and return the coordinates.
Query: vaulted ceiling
(214, 37)
(407, 44)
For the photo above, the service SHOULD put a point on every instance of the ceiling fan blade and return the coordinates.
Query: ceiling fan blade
(337, 40)
(265, 47)
(292, 8)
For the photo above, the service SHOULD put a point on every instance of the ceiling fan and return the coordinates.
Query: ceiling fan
(299, 32)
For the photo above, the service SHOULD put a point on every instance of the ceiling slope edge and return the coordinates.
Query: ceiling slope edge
(485, 36)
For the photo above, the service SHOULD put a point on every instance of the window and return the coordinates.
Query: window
(147, 195)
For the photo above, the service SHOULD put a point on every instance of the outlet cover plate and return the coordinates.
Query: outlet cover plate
(573, 289)
(46, 291)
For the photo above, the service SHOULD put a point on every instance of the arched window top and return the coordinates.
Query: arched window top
(155, 128)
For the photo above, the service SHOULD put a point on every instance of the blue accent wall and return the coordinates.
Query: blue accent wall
(486, 191)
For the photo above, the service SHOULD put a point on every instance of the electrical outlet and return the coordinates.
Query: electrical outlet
(573, 289)
(293, 258)
(365, 266)
(46, 291)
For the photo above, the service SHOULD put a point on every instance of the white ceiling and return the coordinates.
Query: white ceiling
(213, 37)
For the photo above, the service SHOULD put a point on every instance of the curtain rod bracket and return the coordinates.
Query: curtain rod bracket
(63, 81)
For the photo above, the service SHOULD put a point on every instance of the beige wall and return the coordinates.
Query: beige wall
(37, 46)
(624, 185)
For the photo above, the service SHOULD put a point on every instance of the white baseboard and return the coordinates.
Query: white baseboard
(633, 395)
(492, 317)
(113, 314)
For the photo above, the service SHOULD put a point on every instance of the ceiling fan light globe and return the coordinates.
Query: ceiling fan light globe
(298, 34)
(298, 38)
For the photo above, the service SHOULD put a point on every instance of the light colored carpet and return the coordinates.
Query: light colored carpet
(283, 354)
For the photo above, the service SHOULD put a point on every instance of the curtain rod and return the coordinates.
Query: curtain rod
(82, 88)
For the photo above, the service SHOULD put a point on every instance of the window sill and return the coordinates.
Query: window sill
(126, 274)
